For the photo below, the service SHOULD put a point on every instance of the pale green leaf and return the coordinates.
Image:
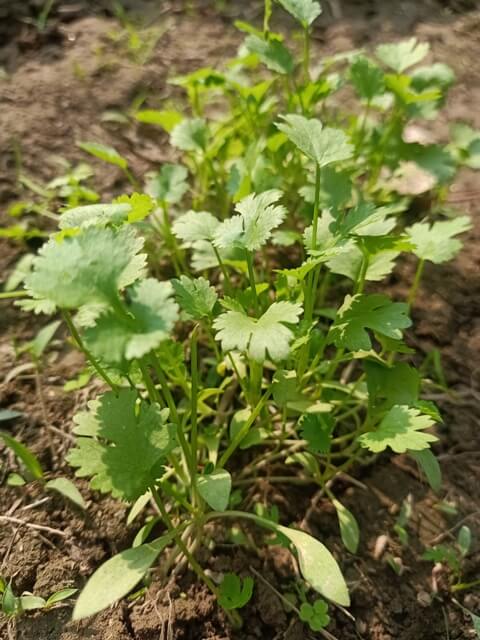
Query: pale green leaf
(24, 454)
(402, 55)
(165, 119)
(349, 530)
(190, 135)
(273, 53)
(318, 566)
(67, 489)
(195, 226)
(323, 145)
(169, 184)
(93, 215)
(117, 577)
(215, 488)
(88, 268)
(105, 153)
(59, 596)
(305, 11)
(260, 338)
(257, 216)
(401, 430)
(437, 242)
(141, 205)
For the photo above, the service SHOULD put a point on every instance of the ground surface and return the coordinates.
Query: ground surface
(55, 89)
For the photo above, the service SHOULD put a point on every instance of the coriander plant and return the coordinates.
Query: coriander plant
(227, 305)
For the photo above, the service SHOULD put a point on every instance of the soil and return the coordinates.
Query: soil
(56, 87)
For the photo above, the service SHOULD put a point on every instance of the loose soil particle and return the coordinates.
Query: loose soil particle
(45, 106)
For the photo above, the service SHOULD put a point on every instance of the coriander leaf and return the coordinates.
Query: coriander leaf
(262, 338)
(361, 312)
(165, 119)
(323, 145)
(234, 594)
(387, 386)
(305, 11)
(257, 216)
(140, 206)
(316, 429)
(196, 297)
(88, 268)
(437, 242)
(349, 261)
(401, 430)
(402, 55)
(94, 215)
(195, 226)
(169, 184)
(273, 53)
(190, 135)
(152, 315)
(367, 78)
(215, 488)
(104, 152)
(133, 437)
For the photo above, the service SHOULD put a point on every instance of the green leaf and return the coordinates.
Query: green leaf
(398, 384)
(305, 11)
(266, 337)
(437, 242)
(215, 488)
(59, 596)
(361, 312)
(401, 430)
(95, 215)
(117, 577)
(152, 316)
(402, 55)
(104, 152)
(196, 297)
(195, 226)
(133, 438)
(141, 205)
(316, 429)
(165, 119)
(24, 454)
(273, 53)
(21, 270)
(476, 623)
(349, 530)
(318, 566)
(234, 592)
(68, 490)
(190, 135)
(323, 145)
(257, 216)
(464, 540)
(428, 463)
(29, 602)
(37, 346)
(88, 268)
(315, 616)
(8, 414)
(169, 184)
(367, 78)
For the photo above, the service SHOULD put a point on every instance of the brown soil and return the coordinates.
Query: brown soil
(57, 87)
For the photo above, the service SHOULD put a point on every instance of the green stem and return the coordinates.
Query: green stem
(416, 282)
(193, 408)
(226, 277)
(363, 271)
(152, 391)
(266, 19)
(13, 294)
(90, 357)
(306, 54)
(244, 430)
(256, 374)
(251, 276)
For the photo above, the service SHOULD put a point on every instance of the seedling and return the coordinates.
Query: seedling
(276, 208)
(15, 606)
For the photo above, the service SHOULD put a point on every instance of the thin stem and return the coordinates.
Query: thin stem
(306, 54)
(363, 272)
(152, 391)
(244, 430)
(222, 266)
(193, 407)
(251, 277)
(90, 357)
(416, 282)
(13, 294)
